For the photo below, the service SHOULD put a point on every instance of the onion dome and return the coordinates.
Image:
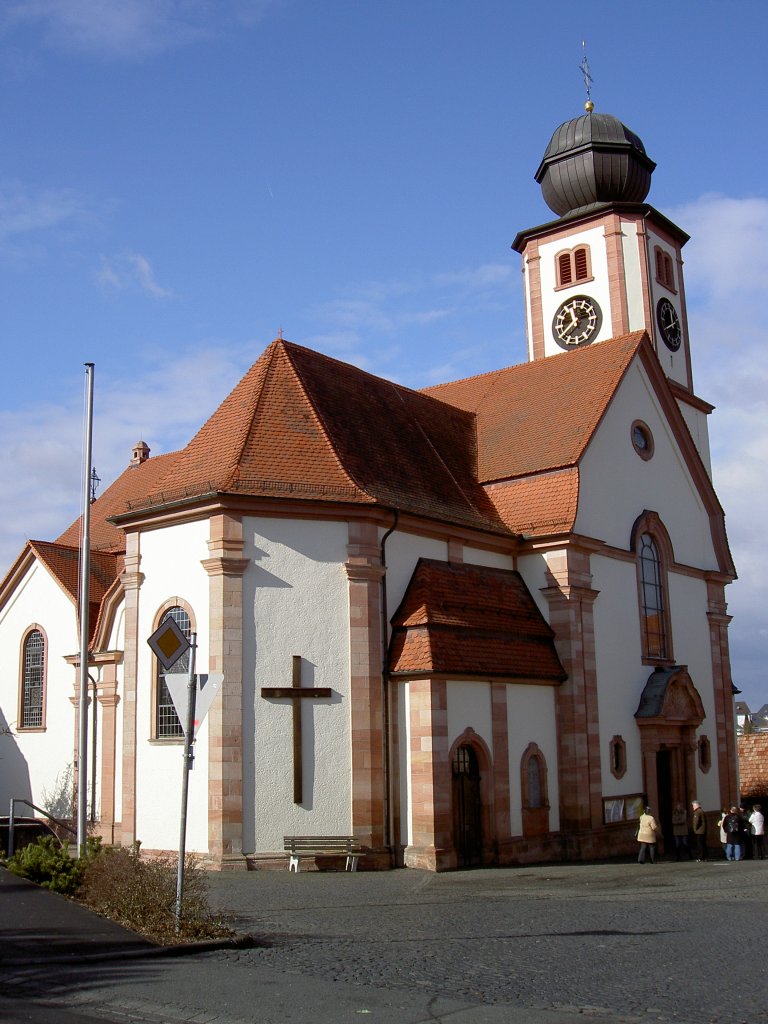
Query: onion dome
(593, 159)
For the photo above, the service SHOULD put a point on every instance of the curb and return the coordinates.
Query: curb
(150, 952)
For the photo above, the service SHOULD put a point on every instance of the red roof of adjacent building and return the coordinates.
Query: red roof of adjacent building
(753, 764)
(470, 620)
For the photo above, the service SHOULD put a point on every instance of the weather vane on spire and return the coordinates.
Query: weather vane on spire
(589, 106)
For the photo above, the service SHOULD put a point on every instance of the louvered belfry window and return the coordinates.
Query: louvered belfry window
(564, 267)
(573, 265)
(665, 272)
(33, 681)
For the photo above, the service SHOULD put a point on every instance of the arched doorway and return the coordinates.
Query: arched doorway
(467, 807)
(668, 716)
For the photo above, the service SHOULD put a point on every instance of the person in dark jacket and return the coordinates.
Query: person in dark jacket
(732, 825)
(746, 834)
(699, 828)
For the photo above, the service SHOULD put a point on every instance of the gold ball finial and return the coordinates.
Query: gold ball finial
(589, 106)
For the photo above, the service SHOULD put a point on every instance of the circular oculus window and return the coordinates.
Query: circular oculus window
(642, 439)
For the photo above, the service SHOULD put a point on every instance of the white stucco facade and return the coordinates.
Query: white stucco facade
(295, 603)
(35, 762)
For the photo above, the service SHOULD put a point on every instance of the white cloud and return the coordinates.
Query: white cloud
(729, 339)
(130, 270)
(444, 309)
(27, 215)
(128, 28)
(164, 405)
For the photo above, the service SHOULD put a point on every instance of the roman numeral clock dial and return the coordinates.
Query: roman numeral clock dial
(576, 321)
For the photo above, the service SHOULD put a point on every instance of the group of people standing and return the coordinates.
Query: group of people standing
(741, 833)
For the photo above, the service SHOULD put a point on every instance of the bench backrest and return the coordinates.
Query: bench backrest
(301, 844)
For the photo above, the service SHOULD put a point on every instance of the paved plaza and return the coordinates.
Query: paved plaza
(542, 945)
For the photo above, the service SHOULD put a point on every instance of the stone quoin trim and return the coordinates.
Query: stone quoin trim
(617, 280)
(226, 567)
(131, 580)
(365, 574)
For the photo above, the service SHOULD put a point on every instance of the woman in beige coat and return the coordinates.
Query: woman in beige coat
(647, 831)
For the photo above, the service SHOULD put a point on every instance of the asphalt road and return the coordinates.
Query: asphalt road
(546, 945)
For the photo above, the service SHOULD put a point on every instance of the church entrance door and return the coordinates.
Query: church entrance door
(467, 808)
(664, 786)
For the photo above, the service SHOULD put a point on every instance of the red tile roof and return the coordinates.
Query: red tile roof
(541, 416)
(305, 425)
(753, 764)
(63, 563)
(133, 484)
(540, 505)
(469, 621)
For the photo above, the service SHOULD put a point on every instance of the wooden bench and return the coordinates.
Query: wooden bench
(322, 846)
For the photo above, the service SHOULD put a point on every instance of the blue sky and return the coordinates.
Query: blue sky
(182, 179)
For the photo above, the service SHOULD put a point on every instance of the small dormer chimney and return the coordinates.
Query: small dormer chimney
(139, 453)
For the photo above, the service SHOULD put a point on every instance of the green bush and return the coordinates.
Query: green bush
(48, 863)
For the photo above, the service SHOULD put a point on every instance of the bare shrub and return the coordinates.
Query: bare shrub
(59, 800)
(140, 893)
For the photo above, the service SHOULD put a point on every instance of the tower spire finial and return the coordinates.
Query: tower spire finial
(589, 106)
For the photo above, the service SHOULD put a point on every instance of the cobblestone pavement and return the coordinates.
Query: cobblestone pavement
(674, 941)
(614, 942)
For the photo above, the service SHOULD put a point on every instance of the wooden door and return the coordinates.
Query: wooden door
(467, 808)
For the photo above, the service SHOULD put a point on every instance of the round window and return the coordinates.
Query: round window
(642, 439)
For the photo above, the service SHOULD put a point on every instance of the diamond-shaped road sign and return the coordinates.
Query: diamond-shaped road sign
(169, 643)
(207, 688)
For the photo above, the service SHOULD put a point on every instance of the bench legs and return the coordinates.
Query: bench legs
(294, 861)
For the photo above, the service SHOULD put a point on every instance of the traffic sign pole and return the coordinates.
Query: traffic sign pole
(188, 759)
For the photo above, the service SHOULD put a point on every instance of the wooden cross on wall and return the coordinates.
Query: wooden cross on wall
(296, 693)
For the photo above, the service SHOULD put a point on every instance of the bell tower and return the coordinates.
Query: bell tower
(610, 263)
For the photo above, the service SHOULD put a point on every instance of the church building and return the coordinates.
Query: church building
(482, 623)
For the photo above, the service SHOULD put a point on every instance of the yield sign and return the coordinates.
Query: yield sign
(207, 688)
(168, 642)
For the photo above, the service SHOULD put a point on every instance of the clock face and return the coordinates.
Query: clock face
(576, 321)
(669, 324)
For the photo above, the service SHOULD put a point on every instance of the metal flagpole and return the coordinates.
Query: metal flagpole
(85, 576)
(189, 757)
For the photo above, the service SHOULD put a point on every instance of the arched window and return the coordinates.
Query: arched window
(33, 681)
(653, 552)
(573, 265)
(652, 609)
(167, 724)
(665, 273)
(533, 785)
